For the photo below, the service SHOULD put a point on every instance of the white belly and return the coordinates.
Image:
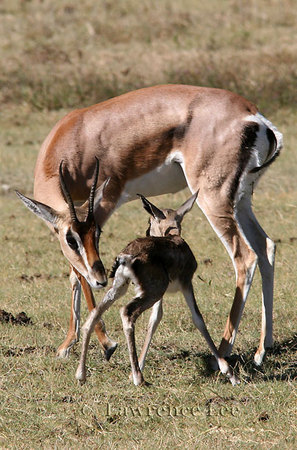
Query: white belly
(165, 179)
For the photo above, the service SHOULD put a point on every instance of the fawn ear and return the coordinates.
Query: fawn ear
(41, 210)
(152, 209)
(187, 206)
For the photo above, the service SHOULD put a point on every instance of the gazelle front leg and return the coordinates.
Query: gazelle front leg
(107, 344)
(74, 324)
(119, 287)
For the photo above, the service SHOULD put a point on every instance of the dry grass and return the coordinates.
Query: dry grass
(59, 55)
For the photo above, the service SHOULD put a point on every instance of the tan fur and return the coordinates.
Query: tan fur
(144, 121)
(217, 139)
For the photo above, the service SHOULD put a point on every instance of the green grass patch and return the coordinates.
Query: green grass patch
(59, 55)
(186, 404)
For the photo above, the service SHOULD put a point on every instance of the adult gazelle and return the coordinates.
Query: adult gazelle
(154, 141)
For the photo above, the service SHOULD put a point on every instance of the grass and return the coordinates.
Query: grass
(56, 56)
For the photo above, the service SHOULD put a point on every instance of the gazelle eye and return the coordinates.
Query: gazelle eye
(71, 241)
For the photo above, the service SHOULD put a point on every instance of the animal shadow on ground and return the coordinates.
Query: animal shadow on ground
(280, 363)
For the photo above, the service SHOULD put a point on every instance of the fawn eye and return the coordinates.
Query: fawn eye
(71, 241)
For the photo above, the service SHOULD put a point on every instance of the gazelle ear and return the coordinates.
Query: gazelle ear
(41, 210)
(152, 209)
(99, 193)
(187, 206)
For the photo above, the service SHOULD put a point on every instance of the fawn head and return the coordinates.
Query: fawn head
(166, 222)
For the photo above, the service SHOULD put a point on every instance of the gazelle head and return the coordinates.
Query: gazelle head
(76, 229)
(166, 222)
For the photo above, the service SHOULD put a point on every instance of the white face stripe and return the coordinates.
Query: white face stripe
(81, 251)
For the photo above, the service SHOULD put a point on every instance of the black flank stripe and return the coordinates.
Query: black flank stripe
(248, 139)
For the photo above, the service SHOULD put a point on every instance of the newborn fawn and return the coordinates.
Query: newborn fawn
(158, 263)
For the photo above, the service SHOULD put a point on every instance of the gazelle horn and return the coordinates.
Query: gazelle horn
(93, 189)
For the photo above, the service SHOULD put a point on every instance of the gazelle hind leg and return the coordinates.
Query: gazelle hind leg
(132, 311)
(200, 325)
(118, 289)
(264, 247)
(74, 324)
(128, 321)
(245, 270)
(221, 216)
(148, 294)
(154, 320)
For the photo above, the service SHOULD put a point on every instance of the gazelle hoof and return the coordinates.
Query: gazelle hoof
(64, 350)
(226, 370)
(63, 353)
(110, 351)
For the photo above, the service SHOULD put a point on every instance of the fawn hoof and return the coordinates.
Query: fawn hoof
(142, 383)
(80, 376)
(137, 379)
(234, 380)
(110, 351)
(226, 370)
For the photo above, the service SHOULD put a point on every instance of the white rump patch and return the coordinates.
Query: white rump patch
(260, 119)
(259, 155)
